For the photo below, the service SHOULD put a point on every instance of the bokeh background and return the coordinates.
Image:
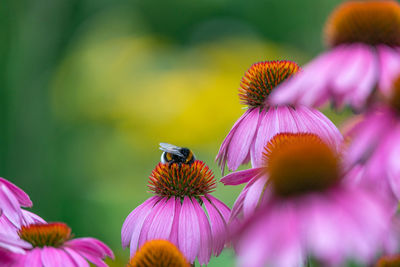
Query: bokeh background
(88, 88)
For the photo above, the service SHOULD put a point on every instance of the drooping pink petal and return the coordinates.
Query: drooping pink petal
(241, 177)
(205, 249)
(239, 146)
(90, 245)
(175, 224)
(161, 225)
(189, 235)
(148, 221)
(267, 128)
(21, 196)
(32, 259)
(218, 225)
(9, 206)
(78, 259)
(133, 223)
(51, 257)
(12, 244)
(222, 155)
(389, 66)
(253, 196)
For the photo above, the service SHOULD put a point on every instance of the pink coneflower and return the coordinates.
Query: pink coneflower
(364, 37)
(176, 212)
(261, 121)
(375, 146)
(306, 211)
(51, 244)
(158, 253)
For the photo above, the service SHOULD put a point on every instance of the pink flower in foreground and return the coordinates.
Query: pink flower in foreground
(306, 210)
(51, 244)
(365, 54)
(176, 212)
(374, 147)
(261, 121)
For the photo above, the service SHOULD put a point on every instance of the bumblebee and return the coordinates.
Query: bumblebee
(176, 154)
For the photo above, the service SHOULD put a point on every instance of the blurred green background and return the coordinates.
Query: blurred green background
(88, 88)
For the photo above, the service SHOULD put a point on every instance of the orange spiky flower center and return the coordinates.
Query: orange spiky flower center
(261, 78)
(158, 253)
(389, 261)
(182, 180)
(300, 163)
(371, 22)
(394, 99)
(45, 234)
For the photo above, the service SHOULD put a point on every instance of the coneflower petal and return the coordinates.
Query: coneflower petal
(161, 225)
(205, 250)
(242, 139)
(134, 221)
(189, 230)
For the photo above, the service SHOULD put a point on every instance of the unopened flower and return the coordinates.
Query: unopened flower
(262, 121)
(51, 244)
(176, 212)
(158, 253)
(364, 37)
(304, 209)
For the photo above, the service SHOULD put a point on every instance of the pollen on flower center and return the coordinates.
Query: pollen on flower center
(45, 234)
(300, 163)
(262, 77)
(158, 253)
(371, 22)
(182, 180)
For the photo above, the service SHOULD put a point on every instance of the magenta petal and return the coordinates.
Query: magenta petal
(78, 259)
(51, 257)
(11, 243)
(9, 206)
(161, 225)
(189, 235)
(21, 196)
(90, 245)
(218, 221)
(133, 223)
(240, 177)
(175, 224)
(32, 259)
(222, 155)
(389, 63)
(205, 235)
(143, 238)
(30, 217)
(239, 147)
(253, 196)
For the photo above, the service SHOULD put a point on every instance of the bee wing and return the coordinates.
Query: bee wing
(171, 149)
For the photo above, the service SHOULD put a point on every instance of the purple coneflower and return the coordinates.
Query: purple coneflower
(375, 146)
(305, 210)
(364, 37)
(261, 121)
(51, 244)
(176, 212)
(158, 253)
